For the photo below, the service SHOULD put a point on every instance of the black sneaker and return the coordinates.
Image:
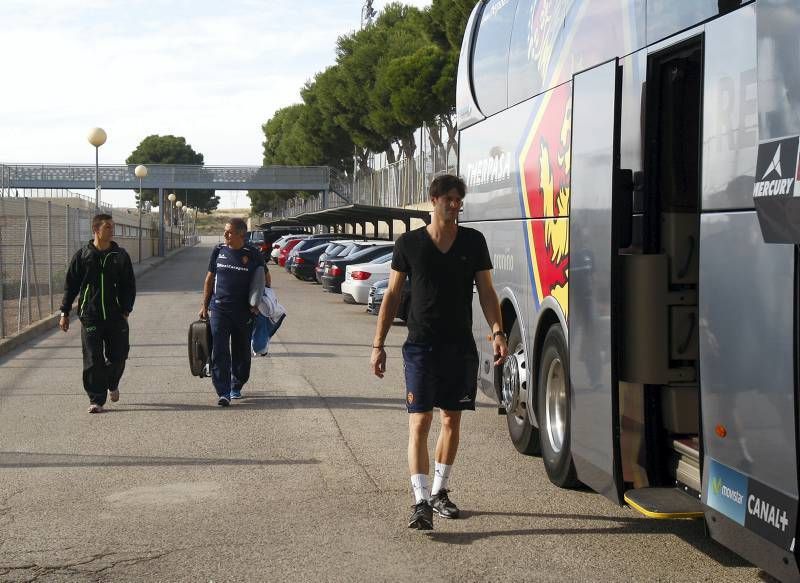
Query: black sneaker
(422, 517)
(443, 506)
(224, 401)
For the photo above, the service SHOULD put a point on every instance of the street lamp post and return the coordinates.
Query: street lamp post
(141, 172)
(172, 196)
(178, 205)
(97, 137)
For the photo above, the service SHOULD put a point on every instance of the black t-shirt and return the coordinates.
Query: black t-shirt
(441, 283)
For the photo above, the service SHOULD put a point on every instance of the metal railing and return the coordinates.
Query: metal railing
(53, 193)
(166, 176)
(397, 185)
(39, 237)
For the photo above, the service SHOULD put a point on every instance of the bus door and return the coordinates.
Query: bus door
(658, 292)
(593, 268)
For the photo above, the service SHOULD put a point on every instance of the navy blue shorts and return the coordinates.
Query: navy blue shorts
(443, 375)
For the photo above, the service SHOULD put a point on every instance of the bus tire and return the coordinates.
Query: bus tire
(514, 374)
(553, 397)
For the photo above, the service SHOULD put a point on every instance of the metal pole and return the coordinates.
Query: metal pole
(96, 179)
(35, 277)
(2, 292)
(140, 221)
(66, 239)
(23, 273)
(161, 222)
(50, 255)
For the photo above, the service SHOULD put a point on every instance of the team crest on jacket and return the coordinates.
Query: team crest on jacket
(245, 259)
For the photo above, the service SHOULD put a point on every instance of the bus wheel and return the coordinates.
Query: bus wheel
(553, 406)
(514, 391)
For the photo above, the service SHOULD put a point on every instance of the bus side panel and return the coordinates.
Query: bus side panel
(488, 164)
(747, 343)
(506, 241)
(730, 111)
(592, 414)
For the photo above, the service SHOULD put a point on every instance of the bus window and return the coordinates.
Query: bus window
(524, 76)
(490, 57)
(666, 17)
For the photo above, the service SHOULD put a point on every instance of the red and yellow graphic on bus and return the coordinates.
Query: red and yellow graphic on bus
(545, 162)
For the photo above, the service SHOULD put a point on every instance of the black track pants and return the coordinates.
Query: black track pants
(105, 349)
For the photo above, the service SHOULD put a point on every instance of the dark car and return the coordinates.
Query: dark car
(377, 292)
(338, 249)
(308, 243)
(335, 269)
(305, 262)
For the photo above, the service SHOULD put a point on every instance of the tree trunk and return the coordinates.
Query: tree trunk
(363, 161)
(439, 157)
(452, 132)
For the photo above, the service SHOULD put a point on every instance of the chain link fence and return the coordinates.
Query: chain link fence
(39, 237)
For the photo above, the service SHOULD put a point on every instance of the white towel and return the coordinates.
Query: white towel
(269, 306)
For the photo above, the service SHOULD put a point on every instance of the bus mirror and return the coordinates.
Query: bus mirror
(623, 203)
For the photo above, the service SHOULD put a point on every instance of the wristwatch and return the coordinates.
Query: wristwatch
(64, 315)
(499, 333)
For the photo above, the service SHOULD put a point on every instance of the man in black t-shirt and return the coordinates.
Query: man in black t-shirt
(231, 290)
(442, 261)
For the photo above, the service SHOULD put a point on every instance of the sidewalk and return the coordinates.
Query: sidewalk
(45, 324)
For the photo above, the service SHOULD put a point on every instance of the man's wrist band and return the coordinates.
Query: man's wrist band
(499, 333)
(381, 346)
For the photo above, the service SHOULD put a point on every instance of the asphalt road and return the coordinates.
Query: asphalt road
(305, 479)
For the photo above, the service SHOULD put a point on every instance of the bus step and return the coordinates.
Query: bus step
(664, 503)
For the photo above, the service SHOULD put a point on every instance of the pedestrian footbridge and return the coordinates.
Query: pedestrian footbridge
(167, 177)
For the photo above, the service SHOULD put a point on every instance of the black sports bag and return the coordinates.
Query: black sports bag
(200, 348)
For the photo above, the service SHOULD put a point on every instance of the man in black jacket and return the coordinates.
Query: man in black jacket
(101, 276)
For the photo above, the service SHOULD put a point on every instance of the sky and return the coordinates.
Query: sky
(210, 71)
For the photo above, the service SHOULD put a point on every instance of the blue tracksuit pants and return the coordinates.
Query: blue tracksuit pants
(230, 350)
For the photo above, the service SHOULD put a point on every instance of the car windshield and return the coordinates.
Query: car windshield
(369, 251)
(333, 249)
(346, 250)
(255, 236)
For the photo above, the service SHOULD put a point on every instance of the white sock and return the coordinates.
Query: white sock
(421, 486)
(440, 478)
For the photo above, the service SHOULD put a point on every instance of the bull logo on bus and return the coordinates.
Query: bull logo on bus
(545, 160)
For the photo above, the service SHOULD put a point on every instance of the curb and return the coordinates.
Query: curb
(51, 323)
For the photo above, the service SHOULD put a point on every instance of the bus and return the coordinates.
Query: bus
(633, 165)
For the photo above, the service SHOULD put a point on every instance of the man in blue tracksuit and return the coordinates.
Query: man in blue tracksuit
(101, 276)
(227, 302)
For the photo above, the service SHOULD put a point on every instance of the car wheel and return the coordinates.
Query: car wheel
(515, 381)
(553, 405)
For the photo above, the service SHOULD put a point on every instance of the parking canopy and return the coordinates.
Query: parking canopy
(353, 214)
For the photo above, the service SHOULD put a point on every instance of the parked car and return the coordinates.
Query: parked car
(308, 243)
(359, 277)
(287, 246)
(305, 262)
(378, 290)
(347, 248)
(334, 273)
(264, 239)
(280, 242)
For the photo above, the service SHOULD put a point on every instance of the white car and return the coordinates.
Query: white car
(359, 278)
(280, 242)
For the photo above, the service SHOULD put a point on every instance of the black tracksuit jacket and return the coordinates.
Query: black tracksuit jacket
(103, 282)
